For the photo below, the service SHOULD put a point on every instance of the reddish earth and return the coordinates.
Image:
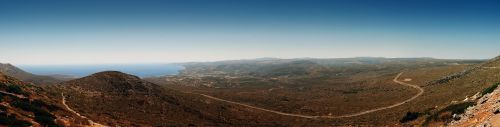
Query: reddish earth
(484, 114)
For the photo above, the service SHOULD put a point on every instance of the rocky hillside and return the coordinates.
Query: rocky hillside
(486, 113)
(490, 64)
(14, 71)
(464, 89)
(22, 105)
(118, 99)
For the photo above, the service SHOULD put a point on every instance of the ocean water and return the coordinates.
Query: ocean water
(141, 70)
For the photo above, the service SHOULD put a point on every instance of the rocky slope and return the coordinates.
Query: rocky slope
(16, 72)
(486, 113)
(22, 104)
(463, 89)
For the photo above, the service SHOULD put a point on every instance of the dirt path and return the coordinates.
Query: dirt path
(92, 123)
(12, 94)
(421, 91)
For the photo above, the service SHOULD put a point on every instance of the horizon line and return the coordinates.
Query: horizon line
(207, 61)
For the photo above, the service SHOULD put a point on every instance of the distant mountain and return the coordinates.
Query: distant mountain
(16, 72)
(24, 105)
(118, 99)
(308, 66)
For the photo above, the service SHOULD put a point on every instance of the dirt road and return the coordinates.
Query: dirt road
(421, 91)
(12, 94)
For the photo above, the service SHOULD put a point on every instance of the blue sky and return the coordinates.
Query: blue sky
(163, 31)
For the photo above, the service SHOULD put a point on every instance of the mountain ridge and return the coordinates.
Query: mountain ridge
(11, 70)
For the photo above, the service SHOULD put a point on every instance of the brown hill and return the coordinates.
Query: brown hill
(22, 104)
(113, 82)
(16, 72)
(462, 88)
(115, 98)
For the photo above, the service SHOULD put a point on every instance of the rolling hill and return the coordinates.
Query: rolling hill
(16, 72)
(255, 91)
(465, 87)
(22, 105)
(114, 98)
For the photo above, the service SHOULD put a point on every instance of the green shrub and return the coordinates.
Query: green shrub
(46, 120)
(453, 109)
(12, 121)
(23, 104)
(458, 108)
(40, 103)
(3, 108)
(41, 116)
(489, 89)
(410, 116)
(15, 89)
(3, 85)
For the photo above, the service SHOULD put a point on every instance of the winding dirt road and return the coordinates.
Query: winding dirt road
(92, 123)
(421, 91)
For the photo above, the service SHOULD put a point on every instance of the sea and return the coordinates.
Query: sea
(141, 70)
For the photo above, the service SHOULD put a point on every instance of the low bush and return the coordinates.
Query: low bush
(3, 108)
(46, 120)
(446, 114)
(410, 116)
(40, 103)
(3, 85)
(15, 89)
(41, 116)
(489, 89)
(12, 121)
(458, 108)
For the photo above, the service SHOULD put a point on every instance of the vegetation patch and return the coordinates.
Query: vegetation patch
(42, 116)
(15, 89)
(410, 116)
(12, 121)
(3, 108)
(352, 91)
(446, 114)
(3, 85)
(489, 89)
(458, 108)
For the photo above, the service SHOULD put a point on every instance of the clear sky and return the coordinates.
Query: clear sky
(162, 31)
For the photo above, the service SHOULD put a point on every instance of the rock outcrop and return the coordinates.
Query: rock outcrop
(486, 113)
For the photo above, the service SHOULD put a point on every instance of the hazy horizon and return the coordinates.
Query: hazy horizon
(57, 32)
(182, 62)
(141, 70)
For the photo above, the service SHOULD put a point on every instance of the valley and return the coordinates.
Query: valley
(277, 92)
(330, 116)
(330, 95)
(249, 63)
